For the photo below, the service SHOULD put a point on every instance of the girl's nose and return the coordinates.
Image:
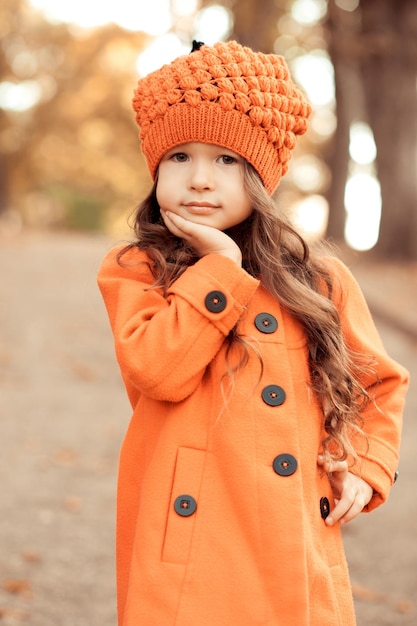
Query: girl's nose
(201, 176)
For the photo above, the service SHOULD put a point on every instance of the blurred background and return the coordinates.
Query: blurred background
(69, 152)
(71, 173)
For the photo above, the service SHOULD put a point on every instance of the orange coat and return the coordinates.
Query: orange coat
(220, 499)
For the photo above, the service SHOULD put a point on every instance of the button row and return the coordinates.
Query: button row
(283, 465)
(216, 302)
(273, 395)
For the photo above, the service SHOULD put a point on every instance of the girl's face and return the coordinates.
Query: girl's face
(203, 183)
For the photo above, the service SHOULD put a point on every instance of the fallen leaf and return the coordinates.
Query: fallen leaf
(404, 606)
(18, 587)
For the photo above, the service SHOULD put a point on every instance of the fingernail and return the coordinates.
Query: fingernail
(329, 521)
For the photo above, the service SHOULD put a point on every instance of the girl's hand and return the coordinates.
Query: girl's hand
(204, 239)
(351, 493)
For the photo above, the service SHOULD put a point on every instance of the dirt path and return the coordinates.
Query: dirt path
(63, 413)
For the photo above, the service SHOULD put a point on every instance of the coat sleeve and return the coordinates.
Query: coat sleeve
(164, 344)
(386, 382)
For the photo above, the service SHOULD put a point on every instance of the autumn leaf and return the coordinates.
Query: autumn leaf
(17, 586)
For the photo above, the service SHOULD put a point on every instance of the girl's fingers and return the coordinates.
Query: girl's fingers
(180, 227)
(332, 466)
(204, 239)
(346, 509)
(173, 223)
(350, 505)
(351, 492)
(179, 222)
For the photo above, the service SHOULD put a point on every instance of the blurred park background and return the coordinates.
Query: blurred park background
(69, 151)
(71, 172)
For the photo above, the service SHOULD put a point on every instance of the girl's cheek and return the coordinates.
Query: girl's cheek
(159, 193)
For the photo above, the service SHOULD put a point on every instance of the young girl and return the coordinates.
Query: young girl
(266, 412)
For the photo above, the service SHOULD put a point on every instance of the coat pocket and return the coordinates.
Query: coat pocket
(183, 507)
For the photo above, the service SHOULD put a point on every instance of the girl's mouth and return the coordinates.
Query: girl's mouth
(201, 208)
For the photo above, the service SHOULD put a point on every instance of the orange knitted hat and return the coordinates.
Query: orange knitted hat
(227, 95)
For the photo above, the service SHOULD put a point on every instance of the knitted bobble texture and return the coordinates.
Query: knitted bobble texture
(225, 94)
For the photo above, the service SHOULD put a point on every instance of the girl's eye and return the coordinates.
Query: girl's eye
(179, 157)
(226, 159)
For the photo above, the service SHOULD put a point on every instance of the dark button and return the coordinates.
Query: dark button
(395, 476)
(273, 395)
(285, 464)
(266, 323)
(185, 505)
(215, 301)
(324, 507)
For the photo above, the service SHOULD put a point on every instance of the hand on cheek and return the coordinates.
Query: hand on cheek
(204, 239)
(168, 218)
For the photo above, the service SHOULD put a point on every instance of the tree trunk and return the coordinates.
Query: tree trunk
(389, 67)
(5, 159)
(338, 160)
(342, 44)
(255, 24)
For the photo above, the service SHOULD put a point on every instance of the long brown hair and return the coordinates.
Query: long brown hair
(276, 254)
